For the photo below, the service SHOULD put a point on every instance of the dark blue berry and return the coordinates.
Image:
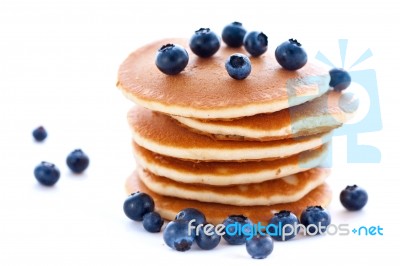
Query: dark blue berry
(207, 238)
(290, 55)
(256, 43)
(178, 236)
(39, 133)
(315, 219)
(340, 79)
(233, 34)
(237, 229)
(77, 161)
(137, 205)
(238, 66)
(259, 247)
(152, 222)
(47, 173)
(353, 198)
(204, 42)
(190, 214)
(171, 59)
(281, 219)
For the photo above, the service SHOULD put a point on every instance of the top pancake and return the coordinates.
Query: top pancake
(205, 90)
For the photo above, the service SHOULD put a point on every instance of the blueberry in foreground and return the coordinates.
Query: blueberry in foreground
(233, 34)
(353, 198)
(207, 238)
(171, 59)
(291, 55)
(177, 236)
(47, 173)
(256, 43)
(39, 134)
(238, 66)
(260, 246)
(281, 219)
(77, 161)
(153, 222)
(204, 43)
(315, 219)
(340, 79)
(190, 214)
(235, 224)
(137, 205)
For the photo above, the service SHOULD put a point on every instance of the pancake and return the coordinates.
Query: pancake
(282, 190)
(161, 134)
(205, 90)
(227, 173)
(320, 115)
(215, 213)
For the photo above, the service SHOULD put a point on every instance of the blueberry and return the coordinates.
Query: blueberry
(353, 198)
(278, 222)
(152, 222)
(290, 55)
(190, 214)
(207, 238)
(237, 229)
(47, 173)
(259, 247)
(39, 133)
(171, 59)
(137, 205)
(256, 43)
(77, 161)
(238, 66)
(315, 219)
(233, 34)
(340, 79)
(204, 42)
(177, 235)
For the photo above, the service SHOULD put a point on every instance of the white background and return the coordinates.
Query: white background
(58, 68)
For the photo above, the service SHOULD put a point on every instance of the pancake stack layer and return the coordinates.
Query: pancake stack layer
(204, 140)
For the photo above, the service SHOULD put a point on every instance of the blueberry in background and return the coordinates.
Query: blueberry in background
(137, 205)
(171, 59)
(77, 161)
(313, 217)
(235, 238)
(340, 79)
(283, 218)
(152, 222)
(39, 133)
(291, 55)
(189, 214)
(204, 43)
(260, 246)
(207, 238)
(233, 34)
(353, 198)
(256, 43)
(238, 66)
(177, 236)
(47, 173)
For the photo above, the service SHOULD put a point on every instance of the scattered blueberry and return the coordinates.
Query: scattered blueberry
(204, 42)
(259, 247)
(39, 133)
(152, 222)
(256, 43)
(189, 214)
(171, 59)
(340, 79)
(290, 55)
(77, 161)
(353, 198)
(137, 205)
(238, 66)
(232, 225)
(281, 219)
(315, 219)
(47, 173)
(233, 34)
(207, 238)
(177, 236)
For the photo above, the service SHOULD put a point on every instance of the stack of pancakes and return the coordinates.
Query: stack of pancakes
(204, 140)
